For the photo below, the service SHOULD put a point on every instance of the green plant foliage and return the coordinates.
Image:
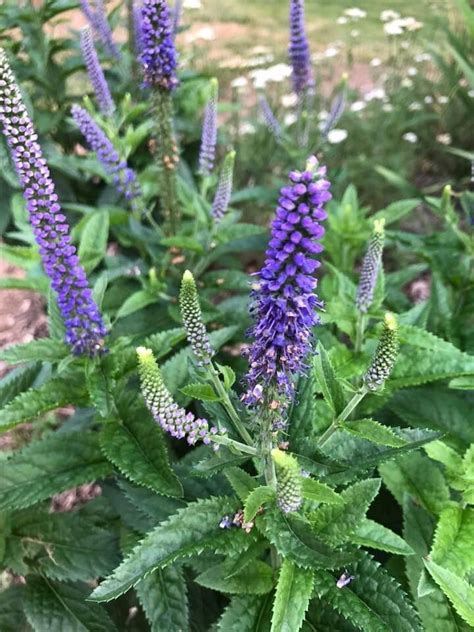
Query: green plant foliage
(246, 612)
(253, 579)
(136, 447)
(458, 590)
(452, 546)
(49, 466)
(292, 596)
(374, 431)
(376, 536)
(257, 499)
(163, 597)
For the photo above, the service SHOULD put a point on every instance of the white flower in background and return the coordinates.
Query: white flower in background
(355, 33)
(279, 72)
(405, 45)
(393, 28)
(205, 33)
(331, 51)
(470, 93)
(259, 60)
(406, 82)
(260, 50)
(290, 119)
(336, 136)
(239, 82)
(410, 137)
(415, 106)
(375, 62)
(376, 93)
(410, 24)
(388, 15)
(357, 106)
(322, 116)
(192, 4)
(423, 57)
(443, 99)
(289, 100)
(444, 139)
(342, 20)
(412, 71)
(355, 13)
(387, 107)
(246, 128)
(428, 99)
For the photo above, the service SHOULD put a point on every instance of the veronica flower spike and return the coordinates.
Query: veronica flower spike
(207, 153)
(298, 49)
(97, 18)
(124, 178)
(95, 72)
(84, 327)
(284, 305)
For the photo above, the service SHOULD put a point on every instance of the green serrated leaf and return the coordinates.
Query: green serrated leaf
(54, 393)
(163, 597)
(189, 531)
(254, 579)
(12, 616)
(416, 475)
(256, 499)
(135, 302)
(59, 607)
(93, 244)
(372, 601)
(203, 392)
(336, 523)
(242, 483)
(56, 326)
(374, 431)
(246, 613)
(319, 492)
(42, 350)
(64, 546)
(228, 374)
(457, 590)
(376, 536)
(294, 538)
(137, 448)
(17, 381)
(57, 462)
(292, 596)
(454, 539)
(326, 377)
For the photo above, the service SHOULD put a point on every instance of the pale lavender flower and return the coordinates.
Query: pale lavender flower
(96, 75)
(224, 188)
(207, 152)
(97, 18)
(269, 117)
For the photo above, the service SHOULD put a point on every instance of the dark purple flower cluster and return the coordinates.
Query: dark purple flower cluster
(96, 75)
(124, 177)
(97, 18)
(298, 49)
(285, 303)
(83, 322)
(158, 55)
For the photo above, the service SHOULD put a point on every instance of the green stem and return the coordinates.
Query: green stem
(229, 407)
(230, 443)
(360, 330)
(355, 401)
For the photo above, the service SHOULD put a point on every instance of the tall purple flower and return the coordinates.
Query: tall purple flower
(158, 55)
(298, 49)
(284, 304)
(84, 326)
(124, 177)
(137, 27)
(97, 18)
(177, 14)
(96, 75)
(269, 117)
(220, 204)
(207, 153)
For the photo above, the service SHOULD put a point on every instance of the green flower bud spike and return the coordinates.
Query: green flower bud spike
(385, 355)
(289, 485)
(370, 267)
(192, 318)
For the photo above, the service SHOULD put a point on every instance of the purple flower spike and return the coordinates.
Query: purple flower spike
(158, 53)
(137, 27)
(96, 75)
(124, 178)
(284, 304)
(298, 49)
(84, 326)
(97, 18)
(177, 14)
(269, 117)
(223, 194)
(207, 153)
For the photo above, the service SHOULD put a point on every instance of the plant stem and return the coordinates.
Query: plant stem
(226, 402)
(355, 401)
(360, 329)
(230, 443)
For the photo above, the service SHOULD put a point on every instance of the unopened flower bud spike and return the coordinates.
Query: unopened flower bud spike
(289, 482)
(385, 355)
(193, 321)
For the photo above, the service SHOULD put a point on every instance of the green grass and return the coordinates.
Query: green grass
(242, 25)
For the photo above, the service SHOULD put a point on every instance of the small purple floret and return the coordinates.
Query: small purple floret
(284, 306)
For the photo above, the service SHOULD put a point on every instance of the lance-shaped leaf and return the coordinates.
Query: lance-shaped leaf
(137, 448)
(59, 607)
(163, 597)
(42, 350)
(326, 376)
(46, 467)
(292, 596)
(458, 591)
(453, 546)
(189, 531)
(376, 536)
(374, 431)
(246, 612)
(255, 578)
(371, 601)
(256, 499)
(320, 493)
